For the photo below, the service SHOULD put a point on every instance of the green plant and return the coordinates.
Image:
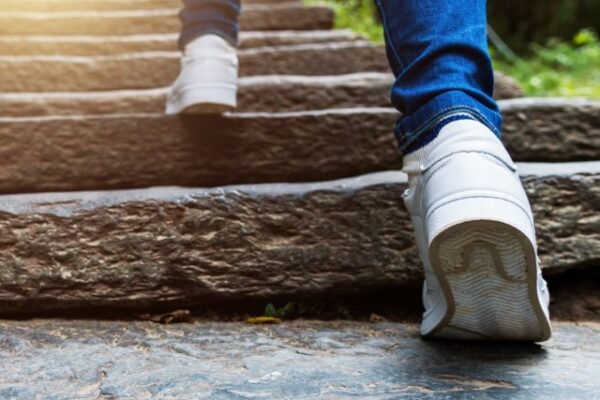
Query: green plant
(559, 68)
(522, 22)
(357, 15)
(283, 312)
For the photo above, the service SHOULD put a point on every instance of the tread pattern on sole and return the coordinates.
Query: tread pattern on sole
(487, 270)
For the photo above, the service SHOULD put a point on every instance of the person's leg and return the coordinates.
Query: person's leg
(207, 82)
(472, 219)
(202, 17)
(438, 52)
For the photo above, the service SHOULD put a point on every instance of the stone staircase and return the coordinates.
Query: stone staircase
(109, 204)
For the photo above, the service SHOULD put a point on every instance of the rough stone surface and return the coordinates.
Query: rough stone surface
(99, 5)
(257, 17)
(106, 45)
(301, 360)
(78, 5)
(272, 93)
(567, 212)
(140, 150)
(137, 249)
(51, 153)
(506, 87)
(157, 69)
(566, 129)
(47, 73)
(566, 203)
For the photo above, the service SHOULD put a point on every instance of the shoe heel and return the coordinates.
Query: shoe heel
(482, 252)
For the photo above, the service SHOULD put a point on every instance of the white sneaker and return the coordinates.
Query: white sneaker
(207, 82)
(476, 237)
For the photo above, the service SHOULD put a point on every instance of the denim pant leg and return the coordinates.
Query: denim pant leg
(200, 17)
(438, 52)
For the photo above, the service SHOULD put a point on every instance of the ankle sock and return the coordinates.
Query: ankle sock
(429, 135)
(466, 130)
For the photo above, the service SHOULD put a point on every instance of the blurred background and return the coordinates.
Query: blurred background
(550, 46)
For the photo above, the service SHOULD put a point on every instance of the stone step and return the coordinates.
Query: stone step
(563, 124)
(270, 93)
(103, 5)
(55, 73)
(257, 94)
(89, 360)
(256, 17)
(94, 152)
(145, 248)
(155, 69)
(107, 45)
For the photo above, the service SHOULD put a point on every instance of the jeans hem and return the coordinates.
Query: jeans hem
(189, 36)
(412, 128)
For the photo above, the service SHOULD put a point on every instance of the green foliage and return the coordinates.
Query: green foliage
(283, 312)
(361, 16)
(559, 68)
(521, 22)
(270, 310)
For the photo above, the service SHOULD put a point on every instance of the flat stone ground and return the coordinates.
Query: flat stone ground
(57, 359)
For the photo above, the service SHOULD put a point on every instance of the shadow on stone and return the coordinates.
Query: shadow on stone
(493, 367)
(208, 132)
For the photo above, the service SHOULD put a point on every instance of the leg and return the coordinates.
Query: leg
(207, 82)
(202, 17)
(438, 52)
(472, 219)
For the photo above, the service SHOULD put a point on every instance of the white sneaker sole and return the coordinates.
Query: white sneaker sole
(203, 100)
(488, 274)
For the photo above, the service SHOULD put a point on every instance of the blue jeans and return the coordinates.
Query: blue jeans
(200, 17)
(438, 52)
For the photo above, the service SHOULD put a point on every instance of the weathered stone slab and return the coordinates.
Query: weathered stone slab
(257, 17)
(100, 5)
(51, 153)
(138, 150)
(91, 360)
(506, 87)
(566, 203)
(557, 129)
(144, 248)
(271, 93)
(20, 45)
(156, 69)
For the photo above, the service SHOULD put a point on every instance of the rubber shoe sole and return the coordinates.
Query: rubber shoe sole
(487, 271)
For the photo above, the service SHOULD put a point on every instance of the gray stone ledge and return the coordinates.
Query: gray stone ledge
(569, 129)
(51, 73)
(79, 45)
(48, 73)
(106, 5)
(273, 93)
(139, 248)
(91, 360)
(278, 16)
(84, 152)
(256, 93)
